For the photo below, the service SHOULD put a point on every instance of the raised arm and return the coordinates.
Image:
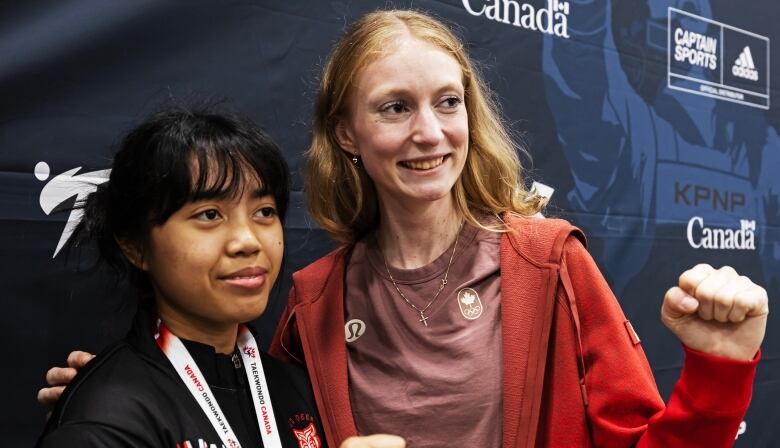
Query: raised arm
(718, 315)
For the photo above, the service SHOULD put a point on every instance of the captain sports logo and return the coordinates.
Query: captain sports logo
(695, 48)
(714, 59)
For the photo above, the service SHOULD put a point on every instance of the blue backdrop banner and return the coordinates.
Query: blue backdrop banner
(650, 123)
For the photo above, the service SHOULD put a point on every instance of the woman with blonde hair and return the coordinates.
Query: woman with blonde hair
(451, 314)
(466, 320)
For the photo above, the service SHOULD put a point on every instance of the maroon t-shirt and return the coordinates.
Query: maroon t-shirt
(433, 384)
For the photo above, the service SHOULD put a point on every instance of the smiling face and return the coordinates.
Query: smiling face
(408, 123)
(213, 262)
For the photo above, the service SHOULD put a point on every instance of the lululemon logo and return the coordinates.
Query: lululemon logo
(469, 303)
(354, 329)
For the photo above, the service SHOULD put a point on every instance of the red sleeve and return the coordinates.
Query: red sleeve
(625, 408)
(285, 345)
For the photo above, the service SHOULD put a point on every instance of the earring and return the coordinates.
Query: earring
(355, 159)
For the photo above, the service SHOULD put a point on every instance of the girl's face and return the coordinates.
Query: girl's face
(408, 122)
(213, 262)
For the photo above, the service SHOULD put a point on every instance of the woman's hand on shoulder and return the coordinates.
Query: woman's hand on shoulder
(374, 441)
(717, 311)
(59, 377)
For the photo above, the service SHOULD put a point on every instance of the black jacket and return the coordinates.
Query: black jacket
(130, 396)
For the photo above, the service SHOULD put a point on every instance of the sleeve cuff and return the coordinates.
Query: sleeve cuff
(717, 384)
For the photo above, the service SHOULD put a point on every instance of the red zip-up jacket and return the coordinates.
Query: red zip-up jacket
(574, 373)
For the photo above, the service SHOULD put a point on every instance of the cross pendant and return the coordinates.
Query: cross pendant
(423, 319)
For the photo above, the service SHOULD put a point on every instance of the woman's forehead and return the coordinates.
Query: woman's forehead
(404, 44)
(407, 63)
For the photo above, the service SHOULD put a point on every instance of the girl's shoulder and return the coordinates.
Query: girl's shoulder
(118, 376)
(113, 401)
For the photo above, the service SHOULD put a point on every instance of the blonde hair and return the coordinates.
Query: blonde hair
(341, 196)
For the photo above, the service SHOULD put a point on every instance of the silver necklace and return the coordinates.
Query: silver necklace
(421, 311)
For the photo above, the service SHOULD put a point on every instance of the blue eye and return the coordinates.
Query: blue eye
(208, 215)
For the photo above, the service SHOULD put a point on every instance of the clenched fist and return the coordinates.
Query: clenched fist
(717, 311)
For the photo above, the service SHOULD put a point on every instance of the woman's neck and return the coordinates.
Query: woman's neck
(413, 235)
(187, 326)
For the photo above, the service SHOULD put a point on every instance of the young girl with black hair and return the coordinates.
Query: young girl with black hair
(192, 214)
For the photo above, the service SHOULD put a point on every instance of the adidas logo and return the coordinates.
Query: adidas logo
(743, 67)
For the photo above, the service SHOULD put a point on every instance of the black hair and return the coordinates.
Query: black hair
(176, 156)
